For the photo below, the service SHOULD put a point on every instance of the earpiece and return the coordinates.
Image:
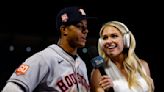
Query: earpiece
(126, 40)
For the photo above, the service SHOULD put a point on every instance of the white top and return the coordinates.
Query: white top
(120, 82)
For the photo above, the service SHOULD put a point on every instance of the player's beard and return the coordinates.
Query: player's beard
(76, 43)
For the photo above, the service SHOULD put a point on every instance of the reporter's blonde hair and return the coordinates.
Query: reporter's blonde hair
(132, 63)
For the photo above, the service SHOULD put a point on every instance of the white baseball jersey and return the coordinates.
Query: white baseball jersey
(52, 70)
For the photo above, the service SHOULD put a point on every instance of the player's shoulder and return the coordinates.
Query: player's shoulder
(48, 51)
(44, 54)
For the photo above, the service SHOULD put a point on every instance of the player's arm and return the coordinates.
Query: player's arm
(12, 87)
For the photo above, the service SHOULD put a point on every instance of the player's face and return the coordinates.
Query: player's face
(112, 41)
(77, 34)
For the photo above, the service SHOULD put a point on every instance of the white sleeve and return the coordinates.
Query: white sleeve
(12, 87)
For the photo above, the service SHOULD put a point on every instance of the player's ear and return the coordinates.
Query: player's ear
(63, 30)
(62, 27)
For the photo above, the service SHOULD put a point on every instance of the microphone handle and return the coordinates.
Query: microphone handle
(110, 90)
(102, 71)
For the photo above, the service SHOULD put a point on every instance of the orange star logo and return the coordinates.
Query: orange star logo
(64, 17)
(21, 70)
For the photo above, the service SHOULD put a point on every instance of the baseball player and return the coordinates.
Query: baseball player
(57, 68)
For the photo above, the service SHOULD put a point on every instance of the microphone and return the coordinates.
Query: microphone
(98, 63)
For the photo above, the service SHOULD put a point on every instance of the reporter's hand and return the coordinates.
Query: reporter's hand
(106, 82)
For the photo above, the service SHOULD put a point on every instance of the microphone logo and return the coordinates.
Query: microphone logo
(97, 62)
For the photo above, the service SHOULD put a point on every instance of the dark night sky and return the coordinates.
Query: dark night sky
(33, 24)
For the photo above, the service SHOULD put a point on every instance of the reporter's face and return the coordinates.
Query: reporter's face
(77, 34)
(112, 41)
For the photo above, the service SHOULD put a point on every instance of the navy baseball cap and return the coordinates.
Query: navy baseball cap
(70, 15)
